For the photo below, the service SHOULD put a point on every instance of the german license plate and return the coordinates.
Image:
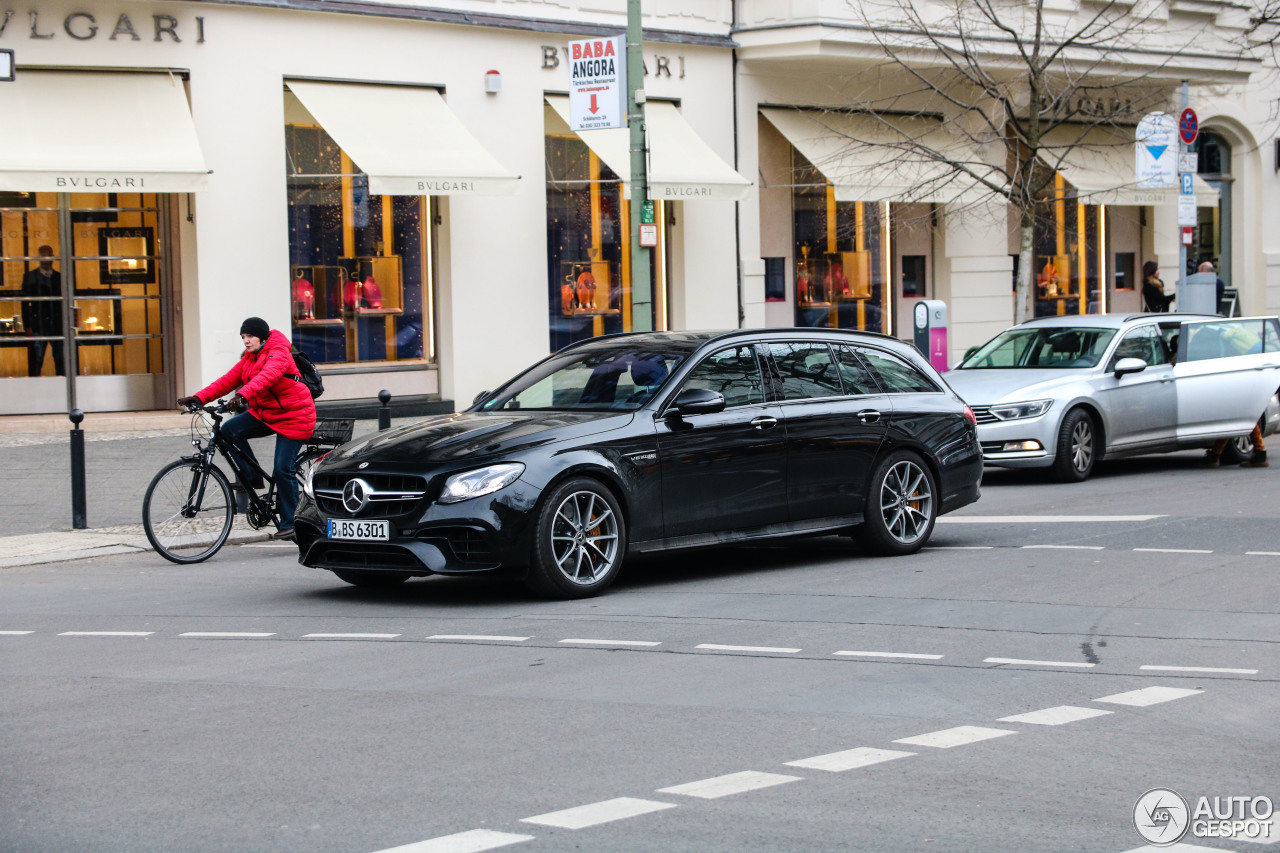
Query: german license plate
(367, 530)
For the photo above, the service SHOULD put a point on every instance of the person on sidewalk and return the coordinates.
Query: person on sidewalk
(1219, 285)
(277, 402)
(1213, 456)
(42, 317)
(1153, 295)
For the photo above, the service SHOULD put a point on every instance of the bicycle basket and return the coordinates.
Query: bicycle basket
(333, 430)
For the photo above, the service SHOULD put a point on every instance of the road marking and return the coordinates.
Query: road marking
(958, 547)
(714, 648)
(1038, 662)
(612, 642)
(1198, 669)
(908, 655)
(849, 759)
(1056, 716)
(1041, 519)
(958, 736)
(106, 633)
(1262, 553)
(471, 841)
(492, 637)
(1064, 547)
(352, 636)
(15, 633)
(729, 784)
(581, 817)
(1148, 696)
(1172, 551)
(226, 634)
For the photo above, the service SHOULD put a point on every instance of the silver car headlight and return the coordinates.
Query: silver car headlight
(1017, 411)
(482, 481)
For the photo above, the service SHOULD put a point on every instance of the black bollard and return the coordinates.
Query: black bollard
(79, 516)
(384, 413)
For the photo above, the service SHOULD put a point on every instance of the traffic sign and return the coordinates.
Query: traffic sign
(1155, 152)
(1188, 183)
(1187, 210)
(1188, 161)
(1188, 126)
(649, 235)
(597, 83)
(646, 213)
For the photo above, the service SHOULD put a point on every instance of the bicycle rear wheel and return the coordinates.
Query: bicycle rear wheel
(187, 520)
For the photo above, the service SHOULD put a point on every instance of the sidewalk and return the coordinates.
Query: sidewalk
(123, 451)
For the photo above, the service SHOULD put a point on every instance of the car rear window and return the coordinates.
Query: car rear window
(1224, 338)
(896, 375)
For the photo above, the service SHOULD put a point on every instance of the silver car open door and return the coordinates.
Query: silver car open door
(1227, 370)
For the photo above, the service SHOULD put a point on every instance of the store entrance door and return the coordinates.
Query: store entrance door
(912, 267)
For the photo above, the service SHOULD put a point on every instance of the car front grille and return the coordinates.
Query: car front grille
(983, 414)
(393, 494)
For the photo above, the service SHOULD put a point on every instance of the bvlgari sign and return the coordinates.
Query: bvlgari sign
(86, 26)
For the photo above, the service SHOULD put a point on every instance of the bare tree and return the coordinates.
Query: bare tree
(1017, 88)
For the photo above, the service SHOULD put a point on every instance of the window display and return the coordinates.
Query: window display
(1067, 239)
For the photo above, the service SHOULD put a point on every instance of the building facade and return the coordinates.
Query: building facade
(397, 187)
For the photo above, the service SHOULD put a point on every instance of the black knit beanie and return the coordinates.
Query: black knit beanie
(255, 326)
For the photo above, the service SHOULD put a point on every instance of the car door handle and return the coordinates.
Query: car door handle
(869, 416)
(764, 422)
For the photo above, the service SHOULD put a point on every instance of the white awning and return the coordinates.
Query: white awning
(681, 165)
(1099, 163)
(406, 139)
(98, 132)
(865, 157)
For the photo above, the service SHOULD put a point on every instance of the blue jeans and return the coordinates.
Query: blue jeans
(245, 426)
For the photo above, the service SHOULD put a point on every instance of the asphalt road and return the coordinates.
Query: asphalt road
(470, 707)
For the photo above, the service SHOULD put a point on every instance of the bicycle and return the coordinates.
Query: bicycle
(190, 506)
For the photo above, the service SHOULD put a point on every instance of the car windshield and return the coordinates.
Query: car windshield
(1039, 347)
(619, 376)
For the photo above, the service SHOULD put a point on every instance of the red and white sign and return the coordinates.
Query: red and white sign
(649, 235)
(1188, 235)
(598, 83)
(1188, 126)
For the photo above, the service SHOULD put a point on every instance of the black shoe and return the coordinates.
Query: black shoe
(286, 534)
(1210, 460)
(1259, 460)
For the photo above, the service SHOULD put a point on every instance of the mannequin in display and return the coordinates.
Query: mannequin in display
(43, 319)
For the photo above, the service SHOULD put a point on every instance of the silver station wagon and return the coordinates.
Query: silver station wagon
(1066, 392)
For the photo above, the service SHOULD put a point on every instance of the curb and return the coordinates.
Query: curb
(130, 545)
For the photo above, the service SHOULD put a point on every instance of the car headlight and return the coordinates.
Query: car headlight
(308, 477)
(1017, 411)
(482, 481)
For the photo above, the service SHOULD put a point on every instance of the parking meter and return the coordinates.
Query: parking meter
(931, 331)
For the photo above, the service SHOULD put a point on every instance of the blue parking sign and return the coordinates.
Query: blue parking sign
(1188, 183)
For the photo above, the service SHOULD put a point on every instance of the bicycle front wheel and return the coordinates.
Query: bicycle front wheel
(187, 512)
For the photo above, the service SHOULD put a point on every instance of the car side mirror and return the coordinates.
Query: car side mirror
(1129, 365)
(696, 401)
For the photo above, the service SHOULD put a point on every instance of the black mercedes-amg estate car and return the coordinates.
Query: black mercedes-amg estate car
(645, 442)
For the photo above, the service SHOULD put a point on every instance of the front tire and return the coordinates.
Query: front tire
(1077, 448)
(371, 580)
(580, 538)
(1240, 449)
(901, 506)
(187, 521)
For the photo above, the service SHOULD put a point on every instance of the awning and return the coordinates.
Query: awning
(99, 132)
(1099, 163)
(864, 156)
(406, 139)
(681, 165)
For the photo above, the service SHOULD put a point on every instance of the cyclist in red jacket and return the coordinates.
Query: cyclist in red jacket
(273, 399)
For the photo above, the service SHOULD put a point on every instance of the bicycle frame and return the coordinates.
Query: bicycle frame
(260, 506)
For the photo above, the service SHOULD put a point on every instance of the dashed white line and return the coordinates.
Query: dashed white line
(958, 547)
(1064, 547)
(711, 647)
(1148, 696)
(1173, 551)
(497, 638)
(1056, 716)
(1198, 669)
(15, 633)
(1262, 553)
(849, 759)
(729, 784)
(908, 655)
(351, 636)
(106, 633)
(233, 634)
(471, 841)
(1038, 662)
(581, 642)
(1041, 519)
(594, 814)
(958, 736)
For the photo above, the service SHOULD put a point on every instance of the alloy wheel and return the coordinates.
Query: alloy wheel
(584, 537)
(906, 503)
(1082, 445)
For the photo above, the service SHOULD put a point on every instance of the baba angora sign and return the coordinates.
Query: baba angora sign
(597, 83)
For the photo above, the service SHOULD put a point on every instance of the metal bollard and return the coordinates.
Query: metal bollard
(79, 516)
(384, 413)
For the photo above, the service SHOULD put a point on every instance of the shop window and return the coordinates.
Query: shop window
(360, 264)
(913, 276)
(775, 279)
(1126, 273)
(1067, 239)
(588, 247)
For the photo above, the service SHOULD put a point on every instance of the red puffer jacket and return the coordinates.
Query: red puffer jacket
(281, 403)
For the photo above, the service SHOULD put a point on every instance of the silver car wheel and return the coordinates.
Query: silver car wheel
(1082, 445)
(906, 504)
(584, 538)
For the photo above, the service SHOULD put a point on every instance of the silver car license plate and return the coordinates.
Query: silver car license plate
(363, 530)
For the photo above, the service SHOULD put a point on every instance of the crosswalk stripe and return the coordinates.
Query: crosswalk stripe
(1148, 696)
(849, 759)
(729, 784)
(593, 814)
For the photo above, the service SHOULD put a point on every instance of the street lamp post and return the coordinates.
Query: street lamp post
(641, 291)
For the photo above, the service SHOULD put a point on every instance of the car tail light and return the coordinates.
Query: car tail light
(970, 416)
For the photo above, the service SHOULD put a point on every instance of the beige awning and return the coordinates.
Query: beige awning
(1099, 163)
(98, 132)
(865, 158)
(406, 139)
(682, 166)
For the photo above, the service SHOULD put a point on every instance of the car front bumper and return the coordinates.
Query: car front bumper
(1021, 443)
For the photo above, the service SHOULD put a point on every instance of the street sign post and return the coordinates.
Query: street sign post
(597, 84)
(1156, 152)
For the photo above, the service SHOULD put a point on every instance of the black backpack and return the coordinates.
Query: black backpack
(307, 373)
